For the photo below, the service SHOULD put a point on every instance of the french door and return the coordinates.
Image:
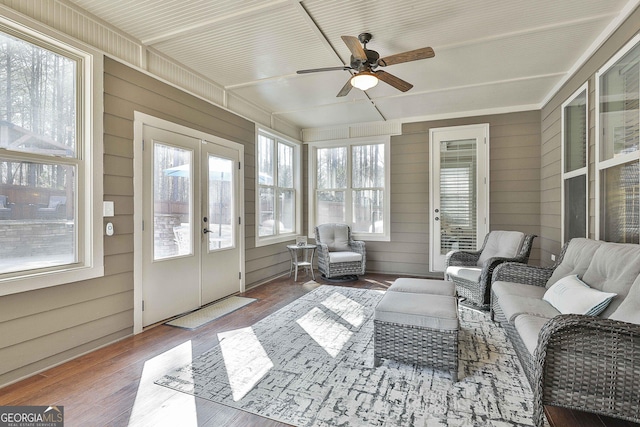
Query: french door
(191, 205)
(459, 190)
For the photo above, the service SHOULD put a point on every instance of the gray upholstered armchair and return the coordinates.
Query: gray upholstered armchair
(338, 254)
(471, 271)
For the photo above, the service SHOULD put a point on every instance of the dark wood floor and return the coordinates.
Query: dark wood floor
(113, 386)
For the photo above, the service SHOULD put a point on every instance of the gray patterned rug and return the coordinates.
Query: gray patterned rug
(311, 364)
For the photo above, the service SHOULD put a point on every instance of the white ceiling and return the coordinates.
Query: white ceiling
(491, 55)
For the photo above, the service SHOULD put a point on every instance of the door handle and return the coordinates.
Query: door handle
(206, 230)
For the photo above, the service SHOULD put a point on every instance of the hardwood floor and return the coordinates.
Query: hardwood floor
(113, 386)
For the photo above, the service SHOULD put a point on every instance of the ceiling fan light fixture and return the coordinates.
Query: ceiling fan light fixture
(364, 80)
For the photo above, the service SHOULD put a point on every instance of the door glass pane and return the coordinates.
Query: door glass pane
(458, 195)
(368, 208)
(330, 206)
(575, 207)
(620, 203)
(221, 212)
(37, 215)
(172, 204)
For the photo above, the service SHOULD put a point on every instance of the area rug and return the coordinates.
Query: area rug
(210, 313)
(311, 364)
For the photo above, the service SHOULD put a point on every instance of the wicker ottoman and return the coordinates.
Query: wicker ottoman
(423, 286)
(417, 328)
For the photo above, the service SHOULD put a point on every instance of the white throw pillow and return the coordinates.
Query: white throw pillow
(571, 295)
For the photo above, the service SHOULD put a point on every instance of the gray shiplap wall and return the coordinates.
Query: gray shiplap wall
(514, 188)
(550, 179)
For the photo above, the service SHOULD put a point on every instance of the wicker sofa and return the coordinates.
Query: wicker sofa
(585, 362)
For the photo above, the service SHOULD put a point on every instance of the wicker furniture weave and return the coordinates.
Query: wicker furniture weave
(581, 362)
(334, 269)
(477, 293)
(409, 341)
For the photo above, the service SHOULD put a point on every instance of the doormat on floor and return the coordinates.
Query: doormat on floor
(211, 312)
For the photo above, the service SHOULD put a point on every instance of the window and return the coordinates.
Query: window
(350, 182)
(618, 141)
(48, 137)
(278, 183)
(574, 160)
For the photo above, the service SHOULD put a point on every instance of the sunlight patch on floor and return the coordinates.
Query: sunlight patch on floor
(245, 359)
(325, 330)
(346, 308)
(160, 406)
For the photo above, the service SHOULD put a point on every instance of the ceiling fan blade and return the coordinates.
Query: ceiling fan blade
(355, 47)
(412, 55)
(394, 81)
(317, 70)
(345, 89)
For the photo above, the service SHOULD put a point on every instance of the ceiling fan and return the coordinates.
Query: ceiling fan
(365, 63)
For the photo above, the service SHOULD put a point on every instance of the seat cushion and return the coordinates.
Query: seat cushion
(629, 308)
(528, 328)
(505, 244)
(345, 256)
(335, 236)
(576, 259)
(518, 289)
(512, 306)
(421, 310)
(471, 274)
(423, 286)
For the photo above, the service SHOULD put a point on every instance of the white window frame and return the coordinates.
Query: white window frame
(583, 171)
(90, 244)
(349, 143)
(297, 187)
(615, 161)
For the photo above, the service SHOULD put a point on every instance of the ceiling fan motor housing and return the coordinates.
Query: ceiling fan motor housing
(370, 63)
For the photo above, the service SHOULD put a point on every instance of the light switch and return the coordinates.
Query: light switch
(108, 209)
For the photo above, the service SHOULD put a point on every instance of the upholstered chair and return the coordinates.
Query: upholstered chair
(471, 270)
(338, 254)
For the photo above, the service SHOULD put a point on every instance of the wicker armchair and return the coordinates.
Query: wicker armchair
(338, 254)
(471, 271)
(580, 362)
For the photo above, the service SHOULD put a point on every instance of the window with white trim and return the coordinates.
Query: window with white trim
(349, 182)
(278, 189)
(618, 143)
(50, 160)
(575, 130)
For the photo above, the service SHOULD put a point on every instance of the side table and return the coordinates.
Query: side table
(305, 259)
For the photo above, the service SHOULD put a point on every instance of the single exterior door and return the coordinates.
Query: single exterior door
(171, 259)
(220, 222)
(459, 190)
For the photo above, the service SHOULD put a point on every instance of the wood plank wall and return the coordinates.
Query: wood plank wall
(550, 179)
(514, 188)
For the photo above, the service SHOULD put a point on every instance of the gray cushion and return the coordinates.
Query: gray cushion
(518, 289)
(629, 308)
(423, 286)
(344, 257)
(468, 273)
(335, 236)
(505, 244)
(614, 268)
(576, 259)
(513, 306)
(528, 328)
(422, 310)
